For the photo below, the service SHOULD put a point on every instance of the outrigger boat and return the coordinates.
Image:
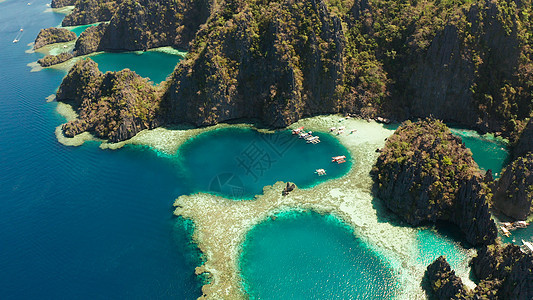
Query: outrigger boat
(313, 140)
(297, 130)
(304, 135)
(339, 159)
(528, 247)
(506, 232)
(320, 172)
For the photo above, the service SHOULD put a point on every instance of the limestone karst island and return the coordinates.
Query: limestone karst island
(266, 149)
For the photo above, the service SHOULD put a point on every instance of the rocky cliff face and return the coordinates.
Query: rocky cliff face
(503, 273)
(145, 24)
(514, 192)
(424, 173)
(90, 39)
(114, 106)
(443, 281)
(91, 11)
(62, 3)
(53, 35)
(525, 141)
(473, 68)
(275, 62)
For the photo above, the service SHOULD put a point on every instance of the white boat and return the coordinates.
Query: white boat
(297, 130)
(339, 159)
(520, 224)
(15, 41)
(313, 140)
(528, 246)
(506, 232)
(320, 172)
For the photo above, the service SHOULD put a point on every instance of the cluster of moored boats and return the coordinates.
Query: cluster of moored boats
(311, 139)
(307, 136)
(507, 227)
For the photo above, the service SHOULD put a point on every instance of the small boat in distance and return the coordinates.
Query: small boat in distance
(15, 41)
(339, 159)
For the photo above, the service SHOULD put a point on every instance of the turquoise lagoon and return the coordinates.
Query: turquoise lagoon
(305, 255)
(81, 222)
(488, 152)
(238, 162)
(157, 65)
(80, 29)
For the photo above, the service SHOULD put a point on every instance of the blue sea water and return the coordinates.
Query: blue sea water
(305, 255)
(238, 162)
(81, 222)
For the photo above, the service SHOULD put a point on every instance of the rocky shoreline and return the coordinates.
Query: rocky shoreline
(504, 272)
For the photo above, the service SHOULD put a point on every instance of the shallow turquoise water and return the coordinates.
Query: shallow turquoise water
(153, 64)
(305, 255)
(238, 163)
(489, 153)
(79, 29)
(431, 244)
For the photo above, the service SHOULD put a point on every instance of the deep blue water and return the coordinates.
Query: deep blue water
(304, 255)
(78, 222)
(256, 160)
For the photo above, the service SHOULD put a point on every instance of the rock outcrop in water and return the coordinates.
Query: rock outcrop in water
(91, 11)
(53, 35)
(503, 273)
(51, 60)
(424, 173)
(443, 281)
(114, 105)
(514, 192)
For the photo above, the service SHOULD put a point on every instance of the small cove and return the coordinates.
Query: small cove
(156, 65)
(238, 162)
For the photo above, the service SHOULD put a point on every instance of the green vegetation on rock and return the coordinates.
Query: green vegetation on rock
(424, 173)
(53, 35)
(514, 192)
(51, 60)
(114, 106)
(91, 11)
(503, 273)
(62, 3)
